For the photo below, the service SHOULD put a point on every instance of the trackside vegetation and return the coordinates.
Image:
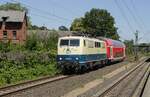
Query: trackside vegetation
(36, 57)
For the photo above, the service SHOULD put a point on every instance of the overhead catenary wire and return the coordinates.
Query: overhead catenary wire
(133, 15)
(43, 16)
(70, 12)
(140, 19)
(124, 15)
(37, 14)
(2, 2)
(43, 11)
(137, 13)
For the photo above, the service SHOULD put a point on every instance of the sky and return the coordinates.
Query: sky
(130, 15)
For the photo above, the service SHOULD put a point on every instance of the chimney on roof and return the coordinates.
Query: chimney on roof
(5, 18)
(4, 22)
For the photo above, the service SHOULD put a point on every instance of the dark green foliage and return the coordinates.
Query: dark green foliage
(97, 22)
(35, 27)
(31, 42)
(13, 6)
(43, 42)
(29, 67)
(37, 57)
(129, 47)
(77, 25)
(63, 28)
(8, 46)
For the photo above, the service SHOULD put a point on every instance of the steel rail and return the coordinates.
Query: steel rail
(29, 84)
(33, 83)
(116, 82)
(140, 89)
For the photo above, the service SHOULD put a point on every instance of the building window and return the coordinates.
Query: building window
(14, 35)
(4, 34)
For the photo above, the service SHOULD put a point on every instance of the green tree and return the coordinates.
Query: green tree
(99, 22)
(129, 46)
(13, 6)
(63, 28)
(18, 7)
(77, 25)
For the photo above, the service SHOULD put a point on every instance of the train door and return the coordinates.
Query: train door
(111, 52)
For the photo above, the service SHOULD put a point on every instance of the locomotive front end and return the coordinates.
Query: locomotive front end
(69, 51)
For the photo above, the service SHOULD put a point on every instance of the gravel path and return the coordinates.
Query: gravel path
(62, 87)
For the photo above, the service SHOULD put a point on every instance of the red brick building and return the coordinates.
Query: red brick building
(13, 26)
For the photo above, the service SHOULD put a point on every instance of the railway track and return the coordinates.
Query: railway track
(141, 87)
(52, 87)
(130, 84)
(29, 84)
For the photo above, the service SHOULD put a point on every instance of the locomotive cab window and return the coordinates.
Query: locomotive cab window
(64, 42)
(71, 42)
(74, 42)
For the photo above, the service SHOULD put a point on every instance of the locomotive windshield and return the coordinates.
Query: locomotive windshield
(64, 42)
(71, 42)
(74, 42)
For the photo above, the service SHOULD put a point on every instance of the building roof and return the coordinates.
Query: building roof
(13, 16)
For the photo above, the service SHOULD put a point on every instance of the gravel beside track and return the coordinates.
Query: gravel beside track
(134, 82)
(145, 90)
(125, 88)
(61, 87)
(29, 84)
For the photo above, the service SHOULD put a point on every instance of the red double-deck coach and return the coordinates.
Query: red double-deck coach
(115, 50)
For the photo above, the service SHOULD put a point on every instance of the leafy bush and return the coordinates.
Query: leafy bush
(33, 59)
(12, 71)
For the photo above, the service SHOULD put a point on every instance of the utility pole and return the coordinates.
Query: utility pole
(136, 45)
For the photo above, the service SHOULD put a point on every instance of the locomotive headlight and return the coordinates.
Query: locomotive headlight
(77, 58)
(60, 58)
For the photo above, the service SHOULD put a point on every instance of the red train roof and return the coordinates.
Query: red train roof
(111, 42)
